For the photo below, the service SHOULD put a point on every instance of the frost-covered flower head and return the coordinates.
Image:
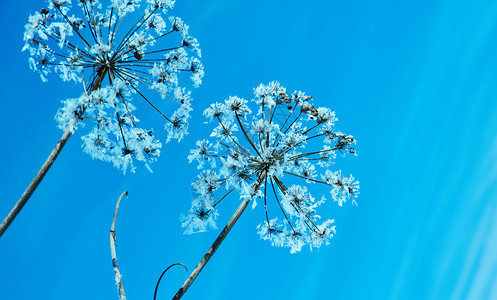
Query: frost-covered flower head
(118, 51)
(264, 153)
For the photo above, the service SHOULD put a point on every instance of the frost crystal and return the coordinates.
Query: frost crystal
(286, 139)
(117, 53)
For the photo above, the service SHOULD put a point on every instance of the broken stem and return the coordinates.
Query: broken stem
(119, 282)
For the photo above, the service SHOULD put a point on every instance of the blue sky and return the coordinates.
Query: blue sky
(415, 83)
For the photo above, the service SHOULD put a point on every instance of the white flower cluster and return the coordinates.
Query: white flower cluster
(115, 58)
(286, 138)
(202, 214)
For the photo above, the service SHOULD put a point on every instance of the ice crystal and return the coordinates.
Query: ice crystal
(286, 139)
(116, 51)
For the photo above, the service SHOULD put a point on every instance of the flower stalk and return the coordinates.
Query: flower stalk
(218, 241)
(45, 167)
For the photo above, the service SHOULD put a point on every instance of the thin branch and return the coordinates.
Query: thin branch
(121, 46)
(163, 35)
(239, 182)
(72, 25)
(247, 136)
(234, 141)
(277, 137)
(265, 200)
(236, 150)
(279, 204)
(121, 129)
(89, 21)
(223, 197)
(311, 153)
(125, 59)
(306, 178)
(148, 101)
(296, 206)
(111, 78)
(137, 78)
(125, 38)
(66, 43)
(114, 31)
(110, 21)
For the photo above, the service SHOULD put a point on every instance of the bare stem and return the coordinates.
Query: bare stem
(119, 282)
(218, 240)
(36, 181)
(46, 166)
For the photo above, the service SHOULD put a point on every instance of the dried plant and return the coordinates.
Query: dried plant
(118, 53)
(119, 282)
(117, 273)
(286, 140)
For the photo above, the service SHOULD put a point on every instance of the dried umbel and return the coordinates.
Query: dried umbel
(274, 153)
(127, 50)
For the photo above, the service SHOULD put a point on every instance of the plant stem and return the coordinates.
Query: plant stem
(119, 282)
(158, 281)
(36, 181)
(218, 240)
(46, 166)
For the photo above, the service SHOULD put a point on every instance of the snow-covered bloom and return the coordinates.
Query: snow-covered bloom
(267, 156)
(122, 53)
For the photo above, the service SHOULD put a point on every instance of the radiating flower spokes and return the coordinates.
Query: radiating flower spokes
(287, 137)
(116, 52)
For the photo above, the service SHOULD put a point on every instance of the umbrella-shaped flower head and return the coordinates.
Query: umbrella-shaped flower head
(125, 50)
(273, 149)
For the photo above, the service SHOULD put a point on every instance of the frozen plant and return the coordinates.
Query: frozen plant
(254, 152)
(122, 53)
(272, 153)
(120, 59)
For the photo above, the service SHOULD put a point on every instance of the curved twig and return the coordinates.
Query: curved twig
(158, 281)
(119, 282)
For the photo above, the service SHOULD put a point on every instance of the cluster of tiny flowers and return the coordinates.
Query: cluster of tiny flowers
(286, 138)
(115, 52)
